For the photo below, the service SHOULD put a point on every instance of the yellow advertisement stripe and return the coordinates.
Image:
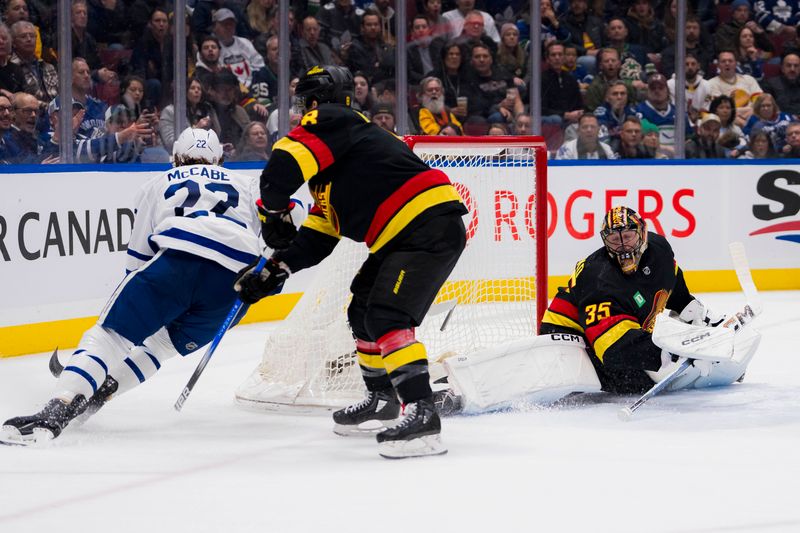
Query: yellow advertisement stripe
(421, 202)
(604, 341)
(321, 224)
(305, 159)
(404, 356)
(370, 361)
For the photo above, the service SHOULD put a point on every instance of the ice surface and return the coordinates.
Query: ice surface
(723, 460)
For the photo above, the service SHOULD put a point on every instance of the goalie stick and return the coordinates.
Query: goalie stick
(736, 321)
(226, 324)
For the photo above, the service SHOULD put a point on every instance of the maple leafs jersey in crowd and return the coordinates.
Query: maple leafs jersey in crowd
(367, 184)
(616, 312)
(204, 210)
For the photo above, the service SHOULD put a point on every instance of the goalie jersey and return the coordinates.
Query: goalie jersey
(616, 312)
(366, 183)
(204, 210)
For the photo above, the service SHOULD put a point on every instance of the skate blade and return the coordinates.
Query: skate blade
(419, 447)
(369, 428)
(11, 436)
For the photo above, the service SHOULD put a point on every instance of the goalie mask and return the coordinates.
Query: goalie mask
(196, 146)
(327, 84)
(624, 235)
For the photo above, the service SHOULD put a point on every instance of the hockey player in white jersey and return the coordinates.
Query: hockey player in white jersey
(196, 227)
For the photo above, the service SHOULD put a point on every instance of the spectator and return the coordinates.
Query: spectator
(609, 64)
(8, 150)
(262, 16)
(123, 132)
(786, 87)
(200, 113)
(725, 108)
(612, 114)
(511, 56)
(295, 114)
(561, 95)
(386, 14)
(340, 21)
(369, 53)
(83, 43)
(698, 92)
(726, 34)
(23, 134)
(657, 109)
(208, 60)
(742, 88)
(236, 53)
(150, 57)
(12, 77)
(456, 17)
(93, 123)
(780, 17)
(767, 117)
(225, 95)
(704, 55)
(497, 129)
(586, 33)
(629, 143)
(432, 10)
(311, 51)
(587, 145)
(453, 73)
(364, 99)
(473, 33)
(551, 28)
(650, 140)
(522, 124)
(423, 52)
(633, 57)
(704, 145)
(491, 92)
(579, 72)
(202, 21)
(17, 10)
(433, 115)
(792, 147)
(383, 116)
(41, 78)
(131, 94)
(107, 23)
(254, 143)
(759, 147)
(263, 91)
(645, 29)
(748, 56)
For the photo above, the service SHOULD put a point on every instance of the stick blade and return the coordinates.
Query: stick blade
(625, 414)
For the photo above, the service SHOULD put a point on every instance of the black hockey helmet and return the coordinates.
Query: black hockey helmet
(328, 84)
(624, 235)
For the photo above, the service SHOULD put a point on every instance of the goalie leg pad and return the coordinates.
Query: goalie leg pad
(540, 370)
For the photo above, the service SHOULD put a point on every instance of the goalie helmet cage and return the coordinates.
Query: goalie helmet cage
(309, 361)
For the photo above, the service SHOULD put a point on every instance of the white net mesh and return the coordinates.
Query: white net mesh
(490, 297)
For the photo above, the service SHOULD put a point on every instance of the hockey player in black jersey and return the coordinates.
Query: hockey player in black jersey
(613, 297)
(370, 187)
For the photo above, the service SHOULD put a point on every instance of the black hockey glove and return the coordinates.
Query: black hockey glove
(252, 287)
(277, 228)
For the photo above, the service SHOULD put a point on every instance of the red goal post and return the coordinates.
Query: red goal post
(496, 293)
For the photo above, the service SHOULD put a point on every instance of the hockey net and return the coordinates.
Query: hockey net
(309, 361)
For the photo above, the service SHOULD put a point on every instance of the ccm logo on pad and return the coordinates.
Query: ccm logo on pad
(695, 339)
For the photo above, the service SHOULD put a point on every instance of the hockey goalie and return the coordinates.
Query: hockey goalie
(620, 326)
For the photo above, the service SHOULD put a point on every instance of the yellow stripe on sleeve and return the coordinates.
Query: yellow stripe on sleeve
(305, 159)
(403, 356)
(611, 336)
(421, 202)
(322, 225)
(560, 320)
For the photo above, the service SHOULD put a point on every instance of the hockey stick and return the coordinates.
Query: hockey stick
(625, 413)
(226, 324)
(738, 320)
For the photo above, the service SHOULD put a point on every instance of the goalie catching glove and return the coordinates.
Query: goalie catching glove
(698, 314)
(252, 287)
(277, 227)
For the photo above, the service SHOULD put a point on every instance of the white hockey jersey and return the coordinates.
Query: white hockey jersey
(204, 210)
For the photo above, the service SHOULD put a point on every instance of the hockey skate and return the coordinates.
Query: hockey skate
(369, 416)
(45, 425)
(418, 434)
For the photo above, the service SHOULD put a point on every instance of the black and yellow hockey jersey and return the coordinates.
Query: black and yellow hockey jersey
(616, 312)
(367, 184)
